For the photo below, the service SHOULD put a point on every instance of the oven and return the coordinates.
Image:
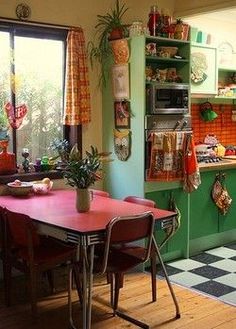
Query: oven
(163, 123)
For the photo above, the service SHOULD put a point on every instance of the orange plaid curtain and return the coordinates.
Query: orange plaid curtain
(77, 101)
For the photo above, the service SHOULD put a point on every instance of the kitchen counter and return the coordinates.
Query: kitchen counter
(224, 164)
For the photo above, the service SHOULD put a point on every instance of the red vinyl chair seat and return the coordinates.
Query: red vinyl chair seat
(33, 255)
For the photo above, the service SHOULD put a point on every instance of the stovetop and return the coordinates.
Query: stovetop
(209, 159)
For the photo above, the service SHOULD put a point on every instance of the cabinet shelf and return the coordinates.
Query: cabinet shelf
(167, 84)
(224, 69)
(225, 97)
(166, 59)
(166, 41)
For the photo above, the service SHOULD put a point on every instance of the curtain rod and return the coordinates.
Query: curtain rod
(56, 26)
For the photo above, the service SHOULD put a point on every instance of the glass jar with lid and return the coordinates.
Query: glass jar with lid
(136, 28)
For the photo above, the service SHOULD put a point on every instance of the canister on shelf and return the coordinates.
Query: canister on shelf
(154, 18)
(136, 28)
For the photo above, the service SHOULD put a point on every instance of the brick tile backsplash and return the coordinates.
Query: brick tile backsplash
(223, 126)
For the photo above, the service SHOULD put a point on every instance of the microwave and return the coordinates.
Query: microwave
(167, 98)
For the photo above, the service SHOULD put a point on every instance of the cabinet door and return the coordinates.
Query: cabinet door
(203, 69)
(177, 246)
(203, 211)
(228, 221)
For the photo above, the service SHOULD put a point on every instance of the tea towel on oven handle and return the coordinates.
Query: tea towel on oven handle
(191, 173)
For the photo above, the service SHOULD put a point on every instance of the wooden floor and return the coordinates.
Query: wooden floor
(197, 311)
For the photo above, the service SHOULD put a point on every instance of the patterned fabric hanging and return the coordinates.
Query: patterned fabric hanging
(122, 143)
(173, 158)
(77, 106)
(15, 117)
(220, 194)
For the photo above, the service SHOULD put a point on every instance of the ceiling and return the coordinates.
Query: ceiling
(227, 15)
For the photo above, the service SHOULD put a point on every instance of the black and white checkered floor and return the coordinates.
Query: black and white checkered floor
(212, 272)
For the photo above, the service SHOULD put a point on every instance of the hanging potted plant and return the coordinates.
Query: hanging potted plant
(109, 27)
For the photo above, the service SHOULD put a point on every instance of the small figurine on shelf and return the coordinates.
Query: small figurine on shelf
(25, 162)
(45, 163)
(165, 24)
(178, 34)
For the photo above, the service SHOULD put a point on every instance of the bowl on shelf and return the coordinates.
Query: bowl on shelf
(41, 187)
(18, 188)
(167, 51)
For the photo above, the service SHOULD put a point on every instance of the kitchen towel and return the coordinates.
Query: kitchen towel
(173, 158)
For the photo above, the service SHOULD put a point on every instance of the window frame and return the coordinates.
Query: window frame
(71, 133)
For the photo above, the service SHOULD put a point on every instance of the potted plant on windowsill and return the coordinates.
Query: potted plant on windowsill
(109, 27)
(81, 173)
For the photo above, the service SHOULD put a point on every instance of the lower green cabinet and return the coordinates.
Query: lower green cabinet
(208, 228)
(177, 246)
(202, 226)
(203, 211)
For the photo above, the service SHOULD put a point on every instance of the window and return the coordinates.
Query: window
(32, 72)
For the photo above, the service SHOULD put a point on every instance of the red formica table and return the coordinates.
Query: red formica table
(56, 215)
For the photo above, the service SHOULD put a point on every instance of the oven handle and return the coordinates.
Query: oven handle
(149, 132)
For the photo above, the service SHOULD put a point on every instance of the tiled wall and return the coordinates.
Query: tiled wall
(223, 126)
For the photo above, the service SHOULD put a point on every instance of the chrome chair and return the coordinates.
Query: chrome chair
(153, 263)
(122, 252)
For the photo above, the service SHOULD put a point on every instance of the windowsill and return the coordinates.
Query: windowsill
(53, 174)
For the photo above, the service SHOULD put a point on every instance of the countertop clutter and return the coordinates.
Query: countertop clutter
(227, 162)
(212, 154)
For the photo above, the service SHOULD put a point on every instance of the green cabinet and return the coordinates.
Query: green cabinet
(124, 178)
(208, 228)
(202, 227)
(177, 246)
(228, 222)
(203, 211)
(204, 77)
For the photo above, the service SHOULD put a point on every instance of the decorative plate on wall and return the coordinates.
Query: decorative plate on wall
(23, 11)
(226, 52)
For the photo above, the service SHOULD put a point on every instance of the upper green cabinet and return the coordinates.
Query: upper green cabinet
(152, 62)
(204, 70)
(167, 60)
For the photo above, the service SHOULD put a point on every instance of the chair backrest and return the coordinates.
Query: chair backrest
(142, 201)
(1, 227)
(100, 192)
(125, 229)
(20, 228)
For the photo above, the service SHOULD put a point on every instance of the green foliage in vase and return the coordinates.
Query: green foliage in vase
(83, 172)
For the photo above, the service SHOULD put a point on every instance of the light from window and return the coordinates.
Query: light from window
(37, 83)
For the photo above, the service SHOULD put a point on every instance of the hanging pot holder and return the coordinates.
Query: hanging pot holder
(220, 195)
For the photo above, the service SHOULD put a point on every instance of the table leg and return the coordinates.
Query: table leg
(84, 286)
(90, 286)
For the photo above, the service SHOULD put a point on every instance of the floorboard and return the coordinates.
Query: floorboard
(197, 311)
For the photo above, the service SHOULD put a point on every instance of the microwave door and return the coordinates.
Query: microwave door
(163, 99)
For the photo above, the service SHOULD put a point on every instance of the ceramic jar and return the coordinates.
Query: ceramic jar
(120, 49)
(83, 197)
